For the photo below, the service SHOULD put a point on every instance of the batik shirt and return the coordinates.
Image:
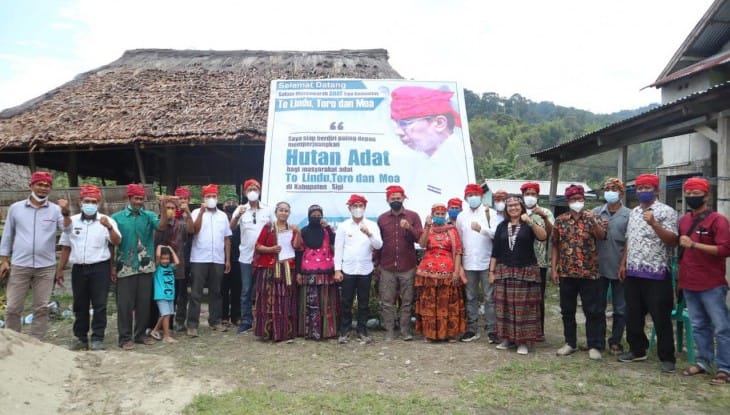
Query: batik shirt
(647, 256)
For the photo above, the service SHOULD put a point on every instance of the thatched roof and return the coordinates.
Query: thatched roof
(174, 96)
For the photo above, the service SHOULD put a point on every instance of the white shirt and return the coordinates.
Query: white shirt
(354, 249)
(89, 239)
(250, 231)
(209, 243)
(477, 245)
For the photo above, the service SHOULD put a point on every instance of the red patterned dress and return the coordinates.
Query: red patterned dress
(440, 313)
(319, 299)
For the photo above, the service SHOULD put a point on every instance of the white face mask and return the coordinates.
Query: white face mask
(474, 201)
(499, 206)
(576, 206)
(357, 213)
(211, 202)
(530, 201)
(252, 196)
(38, 198)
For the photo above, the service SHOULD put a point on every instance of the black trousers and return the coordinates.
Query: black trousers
(231, 294)
(594, 309)
(181, 301)
(644, 295)
(134, 297)
(90, 285)
(355, 285)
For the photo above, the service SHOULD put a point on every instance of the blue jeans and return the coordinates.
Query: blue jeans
(246, 294)
(707, 311)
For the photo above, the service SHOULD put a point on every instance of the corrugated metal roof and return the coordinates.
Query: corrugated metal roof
(705, 65)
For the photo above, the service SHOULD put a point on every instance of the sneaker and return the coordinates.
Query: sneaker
(470, 336)
(156, 335)
(407, 337)
(75, 345)
(219, 327)
(344, 338)
(364, 338)
(244, 328)
(631, 357)
(666, 367)
(493, 339)
(522, 349)
(192, 332)
(97, 345)
(594, 354)
(566, 350)
(504, 345)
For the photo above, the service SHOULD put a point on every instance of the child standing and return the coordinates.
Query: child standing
(167, 260)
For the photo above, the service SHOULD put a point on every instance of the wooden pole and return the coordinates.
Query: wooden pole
(73, 169)
(623, 162)
(170, 169)
(554, 176)
(140, 165)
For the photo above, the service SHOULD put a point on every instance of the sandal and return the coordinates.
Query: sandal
(693, 371)
(155, 335)
(721, 378)
(127, 346)
(148, 341)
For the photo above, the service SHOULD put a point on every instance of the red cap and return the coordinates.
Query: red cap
(251, 182)
(91, 191)
(210, 189)
(134, 189)
(182, 191)
(697, 183)
(530, 185)
(41, 176)
(357, 198)
(455, 202)
(647, 180)
(415, 101)
(394, 189)
(473, 189)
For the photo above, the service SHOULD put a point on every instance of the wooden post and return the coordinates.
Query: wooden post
(623, 162)
(140, 164)
(723, 168)
(555, 175)
(73, 169)
(31, 161)
(170, 169)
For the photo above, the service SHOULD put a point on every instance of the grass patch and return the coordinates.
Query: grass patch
(268, 402)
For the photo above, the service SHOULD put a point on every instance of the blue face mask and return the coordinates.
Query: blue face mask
(453, 213)
(89, 209)
(438, 220)
(645, 197)
(610, 196)
(474, 201)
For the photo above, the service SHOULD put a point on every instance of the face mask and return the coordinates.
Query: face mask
(438, 220)
(610, 196)
(453, 213)
(357, 213)
(530, 201)
(211, 202)
(499, 206)
(230, 208)
(252, 196)
(645, 197)
(695, 202)
(397, 205)
(171, 214)
(38, 198)
(315, 222)
(576, 206)
(89, 209)
(474, 201)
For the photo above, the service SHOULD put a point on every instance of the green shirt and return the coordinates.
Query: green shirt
(136, 253)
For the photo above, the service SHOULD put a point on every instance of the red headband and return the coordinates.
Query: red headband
(355, 199)
(530, 185)
(697, 183)
(647, 180)
(501, 193)
(473, 189)
(574, 189)
(415, 101)
(182, 191)
(210, 189)
(136, 190)
(454, 201)
(91, 191)
(41, 176)
(251, 182)
(439, 208)
(394, 189)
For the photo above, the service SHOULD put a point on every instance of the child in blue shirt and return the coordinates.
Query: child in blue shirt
(165, 291)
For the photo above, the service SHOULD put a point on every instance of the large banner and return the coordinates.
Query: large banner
(328, 139)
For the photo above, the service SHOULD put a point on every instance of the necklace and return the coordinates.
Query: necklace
(512, 232)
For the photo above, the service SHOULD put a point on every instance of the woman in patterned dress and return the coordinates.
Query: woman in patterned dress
(516, 277)
(440, 313)
(319, 297)
(276, 286)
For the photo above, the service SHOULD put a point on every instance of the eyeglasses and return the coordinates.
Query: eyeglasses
(253, 214)
(403, 124)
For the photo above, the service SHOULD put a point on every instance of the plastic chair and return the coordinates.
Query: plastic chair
(681, 316)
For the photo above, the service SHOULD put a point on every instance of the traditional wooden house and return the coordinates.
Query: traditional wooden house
(169, 116)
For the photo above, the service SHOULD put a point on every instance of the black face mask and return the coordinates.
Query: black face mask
(315, 222)
(230, 208)
(695, 202)
(396, 205)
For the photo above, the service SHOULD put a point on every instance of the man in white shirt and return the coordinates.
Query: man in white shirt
(477, 224)
(86, 245)
(210, 258)
(251, 218)
(355, 240)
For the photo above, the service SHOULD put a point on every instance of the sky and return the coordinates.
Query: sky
(587, 54)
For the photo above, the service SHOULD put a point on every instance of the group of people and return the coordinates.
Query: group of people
(293, 282)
